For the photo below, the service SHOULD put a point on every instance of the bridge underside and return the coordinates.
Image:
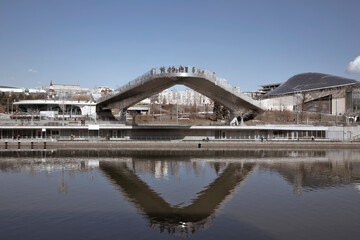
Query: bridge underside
(230, 97)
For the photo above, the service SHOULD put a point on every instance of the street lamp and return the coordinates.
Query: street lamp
(336, 111)
(177, 109)
(297, 93)
(63, 106)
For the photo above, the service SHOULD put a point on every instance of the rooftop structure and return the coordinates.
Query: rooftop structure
(8, 89)
(58, 108)
(268, 88)
(309, 82)
(315, 92)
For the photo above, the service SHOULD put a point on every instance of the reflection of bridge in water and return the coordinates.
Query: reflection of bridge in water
(202, 81)
(177, 220)
(305, 170)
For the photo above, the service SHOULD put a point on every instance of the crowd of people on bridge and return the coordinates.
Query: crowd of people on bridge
(180, 69)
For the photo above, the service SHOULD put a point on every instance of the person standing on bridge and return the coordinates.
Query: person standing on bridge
(193, 69)
(186, 69)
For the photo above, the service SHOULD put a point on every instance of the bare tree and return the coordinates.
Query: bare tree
(220, 111)
(154, 99)
(242, 114)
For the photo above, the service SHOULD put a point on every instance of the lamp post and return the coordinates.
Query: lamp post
(297, 96)
(63, 107)
(297, 108)
(161, 101)
(8, 105)
(177, 109)
(336, 111)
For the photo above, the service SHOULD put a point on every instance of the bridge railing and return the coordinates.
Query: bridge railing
(136, 82)
(173, 71)
(199, 72)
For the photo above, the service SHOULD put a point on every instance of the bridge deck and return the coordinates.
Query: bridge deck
(202, 81)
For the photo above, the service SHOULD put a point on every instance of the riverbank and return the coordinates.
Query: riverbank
(177, 144)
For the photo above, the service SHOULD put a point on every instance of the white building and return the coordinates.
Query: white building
(58, 108)
(99, 92)
(7, 89)
(187, 97)
(101, 89)
(65, 90)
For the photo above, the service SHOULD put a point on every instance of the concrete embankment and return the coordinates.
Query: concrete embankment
(166, 145)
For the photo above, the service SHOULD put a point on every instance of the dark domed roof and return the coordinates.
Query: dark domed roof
(310, 81)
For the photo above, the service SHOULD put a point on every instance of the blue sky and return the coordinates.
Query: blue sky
(108, 43)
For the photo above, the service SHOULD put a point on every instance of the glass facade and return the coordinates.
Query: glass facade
(353, 100)
(102, 134)
(321, 105)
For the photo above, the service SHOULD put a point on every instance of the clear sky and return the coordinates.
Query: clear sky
(108, 43)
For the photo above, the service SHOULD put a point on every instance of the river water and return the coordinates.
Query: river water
(102, 194)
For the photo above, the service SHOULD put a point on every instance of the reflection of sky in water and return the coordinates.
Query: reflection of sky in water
(269, 202)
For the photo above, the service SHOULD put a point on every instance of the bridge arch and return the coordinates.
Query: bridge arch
(158, 79)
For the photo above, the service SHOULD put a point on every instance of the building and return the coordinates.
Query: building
(65, 90)
(10, 90)
(314, 92)
(98, 92)
(264, 90)
(53, 109)
(101, 90)
(187, 97)
(118, 132)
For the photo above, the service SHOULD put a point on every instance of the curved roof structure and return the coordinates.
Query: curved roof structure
(310, 81)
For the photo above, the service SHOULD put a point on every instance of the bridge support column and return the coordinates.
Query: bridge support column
(232, 116)
(122, 115)
(241, 115)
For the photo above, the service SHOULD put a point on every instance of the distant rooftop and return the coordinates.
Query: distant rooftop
(57, 102)
(268, 88)
(6, 87)
(270, 85)
(310, 81)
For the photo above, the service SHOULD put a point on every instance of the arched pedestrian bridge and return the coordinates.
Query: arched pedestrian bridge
(159, 79)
